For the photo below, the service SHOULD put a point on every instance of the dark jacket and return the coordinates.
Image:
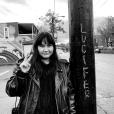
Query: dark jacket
(27, 88)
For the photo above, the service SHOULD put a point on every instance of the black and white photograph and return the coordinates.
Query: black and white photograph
(56, 57)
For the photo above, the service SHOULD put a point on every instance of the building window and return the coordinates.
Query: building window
(6, 32)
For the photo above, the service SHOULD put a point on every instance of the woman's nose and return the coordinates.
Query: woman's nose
(45, 48)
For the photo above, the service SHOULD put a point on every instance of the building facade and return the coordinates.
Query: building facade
(13, 35)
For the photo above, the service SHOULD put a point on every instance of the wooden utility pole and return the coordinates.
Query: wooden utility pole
(82, 58)
(53, 26)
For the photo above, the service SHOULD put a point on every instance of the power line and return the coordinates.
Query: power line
(100, 3)
(104, 3)
(54, 6)
(96, 2)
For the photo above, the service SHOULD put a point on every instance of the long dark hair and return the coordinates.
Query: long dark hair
(36, 58)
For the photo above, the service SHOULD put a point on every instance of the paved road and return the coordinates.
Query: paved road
(6, 102)
(104, 64)
(105, 83)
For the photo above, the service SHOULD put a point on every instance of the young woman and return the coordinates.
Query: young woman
(41, 81)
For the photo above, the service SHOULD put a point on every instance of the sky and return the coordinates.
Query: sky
(103, 8)
(31, 10)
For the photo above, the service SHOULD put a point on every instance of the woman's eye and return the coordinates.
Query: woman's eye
(41, 45)
(46, 45)
(49, 45)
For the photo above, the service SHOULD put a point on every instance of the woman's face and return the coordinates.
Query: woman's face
(45, 50)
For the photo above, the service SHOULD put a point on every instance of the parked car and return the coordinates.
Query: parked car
(97, 50)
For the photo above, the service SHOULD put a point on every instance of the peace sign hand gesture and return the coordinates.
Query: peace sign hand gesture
(25, 65)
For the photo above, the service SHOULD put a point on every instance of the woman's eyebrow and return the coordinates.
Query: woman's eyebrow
(45, 43)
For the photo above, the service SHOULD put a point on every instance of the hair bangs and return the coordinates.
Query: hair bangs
(46, 38)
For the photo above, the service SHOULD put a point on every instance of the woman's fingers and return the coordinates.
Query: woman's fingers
(25, 65)
(29, 58)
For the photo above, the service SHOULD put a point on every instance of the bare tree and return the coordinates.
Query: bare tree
(106, 30)
(54, 22)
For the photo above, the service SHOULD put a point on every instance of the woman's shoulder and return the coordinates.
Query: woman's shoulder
(63, 61)
(64, 64)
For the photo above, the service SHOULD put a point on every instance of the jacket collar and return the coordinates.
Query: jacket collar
(59, 68)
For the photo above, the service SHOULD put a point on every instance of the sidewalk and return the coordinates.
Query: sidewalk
(6, 102)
